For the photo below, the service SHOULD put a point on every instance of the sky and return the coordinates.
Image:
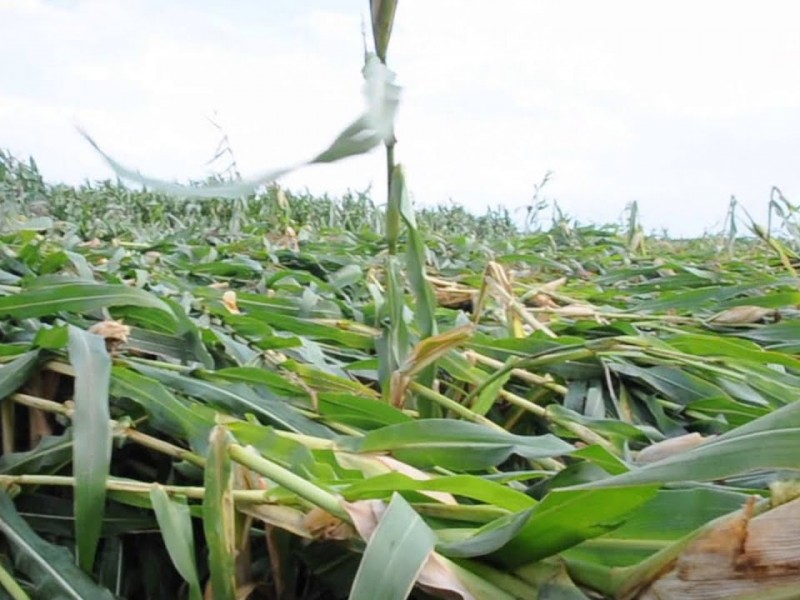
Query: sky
(677, 105)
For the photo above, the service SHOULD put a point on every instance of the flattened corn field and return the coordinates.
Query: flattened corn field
(262, 399)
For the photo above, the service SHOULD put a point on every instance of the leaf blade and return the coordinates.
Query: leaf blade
(401, 539)
(175, 523)
(218, 515)
(92, 438)
(51, 566)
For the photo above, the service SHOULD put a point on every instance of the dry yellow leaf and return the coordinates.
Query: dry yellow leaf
(229, 300)
(111, 330)
(740, 315)
(670, 447)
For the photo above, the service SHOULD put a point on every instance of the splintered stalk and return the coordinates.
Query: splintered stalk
(60, 368)
(518, 308)
(527, 376)
(118, 428)
(7, 421)
(161, 446)
(582, 432)
(134, 487)
(568, 353)
(452, 405)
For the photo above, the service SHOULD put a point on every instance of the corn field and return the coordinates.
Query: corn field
(286, 397)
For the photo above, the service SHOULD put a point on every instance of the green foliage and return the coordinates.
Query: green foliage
(309, 397)
(92, 438)
(283, 342)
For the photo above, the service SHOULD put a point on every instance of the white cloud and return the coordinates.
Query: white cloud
(676, 105)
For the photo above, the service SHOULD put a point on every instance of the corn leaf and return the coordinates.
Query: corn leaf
(219, 517)
(75, 297)
(395, 554)
(372, 128)
(92, 438)
(453, 444)
(17, 372)
(175, 523)
(51, 568)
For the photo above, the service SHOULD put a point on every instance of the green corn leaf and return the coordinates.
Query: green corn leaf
(562, 520)
(454, 444)
(175, 523)
(674, 383)
(396, 553)
(14, 374)
(304, 327)
(190, 335)
(51, 568)
(238, 397)
(468, 486)
(719, 459)
(53, 515)
(358, 411)
(415, 259)
(395, 344)
(671, 515)
(49, 456)
(764, 443)
(75, 297)
(382, 12)
(92, 438)
(425, 300)
(166, 412)
(487, 539)
(277, 383)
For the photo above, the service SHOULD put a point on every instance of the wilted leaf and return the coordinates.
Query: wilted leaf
(670, 447)
(740, 315)
(373, 127)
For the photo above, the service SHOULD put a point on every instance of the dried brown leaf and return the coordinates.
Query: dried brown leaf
(741, 315)
(111, 330)
(400, 467)
(282, 517)
(542, 300)
(670, 447)
(552, 286)
(324, 526)
(229, 300)
(437, 576)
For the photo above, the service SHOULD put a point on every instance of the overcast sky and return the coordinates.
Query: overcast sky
(678, 104)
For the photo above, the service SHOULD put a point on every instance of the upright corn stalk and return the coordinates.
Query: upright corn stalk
(395, 345)
(382, 12)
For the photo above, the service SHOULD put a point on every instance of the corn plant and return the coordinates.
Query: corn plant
(388, 405)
